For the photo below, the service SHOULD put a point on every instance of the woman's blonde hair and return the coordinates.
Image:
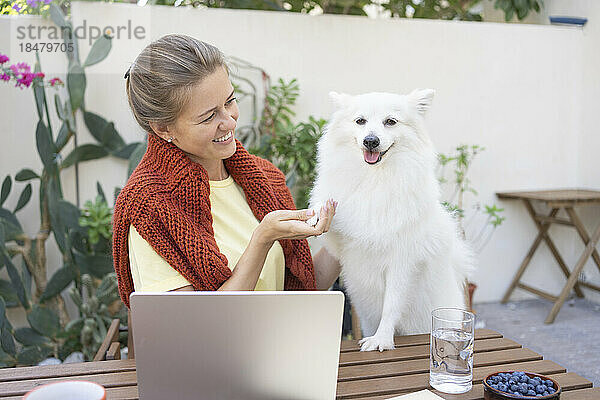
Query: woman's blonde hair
(160, 79)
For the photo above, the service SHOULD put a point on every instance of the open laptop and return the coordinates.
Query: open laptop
(237, 345)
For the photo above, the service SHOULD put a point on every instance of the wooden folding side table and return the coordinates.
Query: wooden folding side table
(557, 199)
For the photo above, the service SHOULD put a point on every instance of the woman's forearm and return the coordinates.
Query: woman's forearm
(327, 269)
(249, 266)
(247, 270)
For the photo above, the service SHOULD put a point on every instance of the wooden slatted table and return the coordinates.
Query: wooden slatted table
(566, 199)
(362, 375)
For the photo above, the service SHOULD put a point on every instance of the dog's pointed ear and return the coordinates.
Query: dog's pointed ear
(422, 99)
(339, 100)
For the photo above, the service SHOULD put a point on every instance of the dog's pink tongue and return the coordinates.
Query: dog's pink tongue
(371, 157)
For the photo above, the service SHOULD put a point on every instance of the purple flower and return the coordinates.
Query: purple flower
(56, 81)
(37, 3)
(16, 7)
(23, 75)
(25, 80)
(20, 68)
(21, 72)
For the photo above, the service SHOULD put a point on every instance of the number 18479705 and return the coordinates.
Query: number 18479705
(49, 47)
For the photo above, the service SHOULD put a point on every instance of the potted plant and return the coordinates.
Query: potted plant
(461, 161)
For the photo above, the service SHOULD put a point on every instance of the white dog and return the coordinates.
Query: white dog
(400, 249)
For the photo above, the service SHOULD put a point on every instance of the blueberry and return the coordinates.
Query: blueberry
(551, 390)
(522, 387)
(546, 393)
(502, 387)
(530, 393)
(540, 388)
(531, 386)
(524, 379)
(549, 383)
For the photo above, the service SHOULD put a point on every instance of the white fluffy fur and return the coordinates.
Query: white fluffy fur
(400, 250)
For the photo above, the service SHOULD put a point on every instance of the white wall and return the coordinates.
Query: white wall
(588, 138)
(525, 92)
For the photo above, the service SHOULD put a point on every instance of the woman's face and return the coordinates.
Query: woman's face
(209, 117)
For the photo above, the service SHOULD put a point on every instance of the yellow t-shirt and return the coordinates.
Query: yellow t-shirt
(233, 224)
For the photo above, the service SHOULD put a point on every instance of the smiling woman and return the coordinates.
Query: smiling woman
(199, 212)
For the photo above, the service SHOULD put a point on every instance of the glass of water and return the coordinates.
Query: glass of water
(451, 358)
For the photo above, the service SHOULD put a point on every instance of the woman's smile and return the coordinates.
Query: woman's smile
(225, 139)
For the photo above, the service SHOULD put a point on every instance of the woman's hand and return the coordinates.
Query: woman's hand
(290, 224)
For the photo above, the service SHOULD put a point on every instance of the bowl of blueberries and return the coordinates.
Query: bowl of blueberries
(520, 385)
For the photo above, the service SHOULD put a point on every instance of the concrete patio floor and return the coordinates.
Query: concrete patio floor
(573, 340)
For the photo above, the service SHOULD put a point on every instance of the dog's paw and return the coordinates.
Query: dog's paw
(312, 221)
(376, 342)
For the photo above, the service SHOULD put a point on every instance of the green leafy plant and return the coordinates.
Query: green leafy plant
(520, 8)
(465, 10)
(277, 114)
(97, 298)
(434, 9)
(273, 134)
(97, 217)
(97, 310)
(295, 149)
(461, 161)
(39, 7)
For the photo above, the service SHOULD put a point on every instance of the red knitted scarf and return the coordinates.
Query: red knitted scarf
(166, 200)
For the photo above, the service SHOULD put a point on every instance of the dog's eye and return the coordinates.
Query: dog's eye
(390, 122)
(360, 121)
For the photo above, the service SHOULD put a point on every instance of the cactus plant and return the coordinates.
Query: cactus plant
(96, 310)
(25, 256)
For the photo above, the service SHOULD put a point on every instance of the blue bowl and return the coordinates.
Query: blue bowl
(568, 21)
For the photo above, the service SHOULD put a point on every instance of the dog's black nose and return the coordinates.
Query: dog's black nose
(371, 142)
